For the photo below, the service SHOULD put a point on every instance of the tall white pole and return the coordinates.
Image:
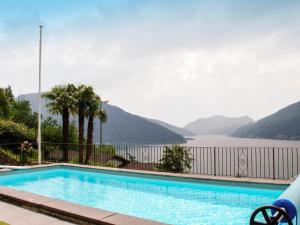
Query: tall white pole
(40, 100)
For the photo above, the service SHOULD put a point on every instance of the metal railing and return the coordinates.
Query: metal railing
(253, 162)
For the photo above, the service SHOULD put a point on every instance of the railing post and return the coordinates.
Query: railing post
(215, 170)
(273, 157)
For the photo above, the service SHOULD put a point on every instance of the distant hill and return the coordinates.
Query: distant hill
(283, 124)
(178, 130)
(121, 127)
(219, 125)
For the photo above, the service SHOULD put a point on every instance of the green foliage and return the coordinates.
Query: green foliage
(18, 122)
(92, 111)
(132, 158)
(175, 159)
(83, 96)
(16, 111)
(11, 132)
(105, 149)
(73, 132)
(62, 101)
(60, 97)
(6, 98)
(102, 115)
(21, 113)
(93, 105)
(74, 160)
(99, 150)
(24, 157)
(26, 151)
(80, 110)
(52, 132)
(10, 154)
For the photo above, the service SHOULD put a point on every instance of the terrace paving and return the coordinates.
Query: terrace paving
(15, 215)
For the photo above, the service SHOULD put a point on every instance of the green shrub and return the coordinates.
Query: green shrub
(105, 149)
(9, 154)
(11, 132)
(175, 159)
(98, 150)
(21, 113)
(52, 131)
(27, 152)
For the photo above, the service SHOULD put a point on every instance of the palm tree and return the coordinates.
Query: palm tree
(103, 118)
(92, 111)
(62, 101)
(84, 94)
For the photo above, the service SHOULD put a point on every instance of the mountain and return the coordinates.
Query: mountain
(220, 125)
(125, 128)
(122, 127)
(283, 124)
(178, 130)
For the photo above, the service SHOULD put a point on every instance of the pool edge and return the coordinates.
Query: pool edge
(80, 214)
(195, 177)
(68, 211)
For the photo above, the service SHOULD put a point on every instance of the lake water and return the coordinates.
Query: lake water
(225, 141)
(229, 156)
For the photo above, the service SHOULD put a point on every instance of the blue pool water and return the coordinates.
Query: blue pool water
(165, 200)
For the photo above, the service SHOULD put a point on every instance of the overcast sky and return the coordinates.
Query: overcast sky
(171, 60)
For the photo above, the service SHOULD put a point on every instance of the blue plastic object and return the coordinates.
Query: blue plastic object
(288, 206)
(290, 200)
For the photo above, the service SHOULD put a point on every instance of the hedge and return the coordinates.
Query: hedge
(11, 132)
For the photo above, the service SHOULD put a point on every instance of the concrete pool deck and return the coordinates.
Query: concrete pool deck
(75, 213)
(14, 215)
(80, 214)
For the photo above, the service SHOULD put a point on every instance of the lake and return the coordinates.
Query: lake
(225, 141)
(229, 156)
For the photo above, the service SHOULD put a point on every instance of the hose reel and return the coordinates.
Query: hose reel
(271, 215)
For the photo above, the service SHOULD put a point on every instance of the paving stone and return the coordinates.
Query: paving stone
(15, 215)
(121, 219)
(84, 211)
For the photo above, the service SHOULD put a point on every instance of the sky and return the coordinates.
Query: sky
(176, 61)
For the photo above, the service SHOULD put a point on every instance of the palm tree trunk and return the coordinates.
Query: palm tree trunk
(89, 139)
(65, 118)
(81, 133)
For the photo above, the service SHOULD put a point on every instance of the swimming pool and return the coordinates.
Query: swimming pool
(163, 199)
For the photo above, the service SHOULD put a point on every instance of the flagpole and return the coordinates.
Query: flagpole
(40, 100)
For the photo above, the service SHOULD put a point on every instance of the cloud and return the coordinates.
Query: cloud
(174, 62)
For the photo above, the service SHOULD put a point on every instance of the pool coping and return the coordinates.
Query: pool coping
(80, 214)
(75, 213)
